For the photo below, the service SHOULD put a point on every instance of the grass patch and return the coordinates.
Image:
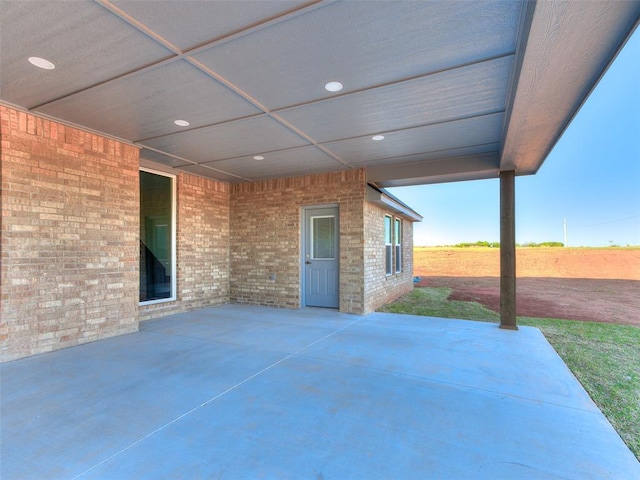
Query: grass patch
(604, 357)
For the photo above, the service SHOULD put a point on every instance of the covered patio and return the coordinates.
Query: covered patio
(240, 391)
(232, 113)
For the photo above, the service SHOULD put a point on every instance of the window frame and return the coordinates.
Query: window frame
(388, 245)
(174, 263)
(397, 237)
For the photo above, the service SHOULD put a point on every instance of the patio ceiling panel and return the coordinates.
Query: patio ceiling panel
(476, 151)
(251, 136)
(206, 20)
(472, 134)
(145, 104)
(296, 161)
(363, 45)
(87, 44)
(464, 92)
(439, 170)
(210, 171)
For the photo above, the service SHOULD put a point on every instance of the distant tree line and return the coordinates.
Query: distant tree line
(497, 244)
(541, 244)
(477, 244)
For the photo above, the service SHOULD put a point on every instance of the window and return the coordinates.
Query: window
(392, 245)
(157, 237)
(388, 245)
(323, 235)
(397, 237)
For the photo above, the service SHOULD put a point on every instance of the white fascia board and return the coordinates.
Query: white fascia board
(387, 201)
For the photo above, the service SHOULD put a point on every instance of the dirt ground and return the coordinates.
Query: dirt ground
(591, 284)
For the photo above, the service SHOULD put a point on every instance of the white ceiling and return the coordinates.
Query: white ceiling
(460, 89)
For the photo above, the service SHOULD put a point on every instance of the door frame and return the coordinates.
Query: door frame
(303, 247)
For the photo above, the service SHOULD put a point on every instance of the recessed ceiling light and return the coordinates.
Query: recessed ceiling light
(181, 123)
(377, 138)
(258, 157)
(41, 63)
(333, 86)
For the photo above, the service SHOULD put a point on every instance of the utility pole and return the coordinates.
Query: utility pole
(564, 228)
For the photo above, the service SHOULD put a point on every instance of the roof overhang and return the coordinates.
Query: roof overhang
(387, 201)
(460, 90)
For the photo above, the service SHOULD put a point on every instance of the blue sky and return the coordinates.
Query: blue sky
(591, 178)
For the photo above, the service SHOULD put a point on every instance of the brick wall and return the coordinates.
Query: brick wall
(265, 237)
(202, 247)
(379, 287)
(70, 239)
(69, 231)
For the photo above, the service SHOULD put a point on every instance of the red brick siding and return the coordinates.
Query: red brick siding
(69, 230)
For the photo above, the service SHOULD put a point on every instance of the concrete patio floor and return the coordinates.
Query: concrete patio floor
(242, 392)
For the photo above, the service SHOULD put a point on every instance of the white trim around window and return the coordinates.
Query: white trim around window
(397, 238)
(169, 264)
(388, 245)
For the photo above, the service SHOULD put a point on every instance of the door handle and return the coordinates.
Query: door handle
(308, 262)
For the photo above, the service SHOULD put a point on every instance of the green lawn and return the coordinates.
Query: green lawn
(605, 358)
